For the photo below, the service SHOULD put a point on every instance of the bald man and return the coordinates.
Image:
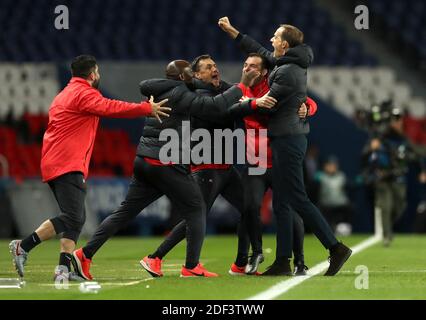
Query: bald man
(152, 178)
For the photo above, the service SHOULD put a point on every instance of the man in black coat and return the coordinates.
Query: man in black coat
(288, 84)
(154, 178)
(216, 179)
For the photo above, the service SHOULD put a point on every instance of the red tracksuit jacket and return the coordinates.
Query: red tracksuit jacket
(258, 122)
(73, 121)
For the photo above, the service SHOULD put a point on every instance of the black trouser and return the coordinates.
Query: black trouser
(212, 182)
(288, 153)
(70, 194)
(255, 187)
(148, 184)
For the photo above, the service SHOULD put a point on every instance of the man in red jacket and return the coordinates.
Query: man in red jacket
(67, 148)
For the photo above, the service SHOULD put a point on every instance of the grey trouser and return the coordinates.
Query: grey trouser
(390, 198)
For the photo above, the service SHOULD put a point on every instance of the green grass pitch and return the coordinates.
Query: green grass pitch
(397, 272)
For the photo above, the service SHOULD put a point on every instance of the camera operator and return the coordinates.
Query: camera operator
(386, 158)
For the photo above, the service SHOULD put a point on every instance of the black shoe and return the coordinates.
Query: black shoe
(253, 263)
(300, 269)
(279, 269)
(338, 256)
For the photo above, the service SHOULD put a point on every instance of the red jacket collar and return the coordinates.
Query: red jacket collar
(79, 80)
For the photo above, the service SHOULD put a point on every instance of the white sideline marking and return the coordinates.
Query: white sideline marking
(386, 271)
(284, 286)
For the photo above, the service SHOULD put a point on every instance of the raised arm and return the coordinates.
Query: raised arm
(204, 105)
(246, 43)
(93, 102)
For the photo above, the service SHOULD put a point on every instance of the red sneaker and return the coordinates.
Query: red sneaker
(82, 264)
(237, 271)
(152, 266)
(198, 271)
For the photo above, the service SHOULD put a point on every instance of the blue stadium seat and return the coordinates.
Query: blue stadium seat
(165, 29)
(403, 20)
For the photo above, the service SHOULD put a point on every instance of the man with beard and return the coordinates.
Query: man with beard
(255, 186)
(219, 179)
(67, 148)
(214, 179)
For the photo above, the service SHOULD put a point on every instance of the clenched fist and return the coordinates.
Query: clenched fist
(226, 26)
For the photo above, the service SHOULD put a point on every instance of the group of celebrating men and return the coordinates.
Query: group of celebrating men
(272, 95)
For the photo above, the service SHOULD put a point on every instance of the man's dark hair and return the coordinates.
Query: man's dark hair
(82, 66)
(264, 64)
(292, 35)
(195, 65)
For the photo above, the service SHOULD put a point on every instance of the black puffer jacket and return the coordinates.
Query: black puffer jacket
(212, 120)
(288, 84)
(183, 103)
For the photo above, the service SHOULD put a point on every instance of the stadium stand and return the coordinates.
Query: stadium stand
(349, 88)
(344, 77)
(26, 93)
(123, 30)
(396, 26)
(27, 89)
